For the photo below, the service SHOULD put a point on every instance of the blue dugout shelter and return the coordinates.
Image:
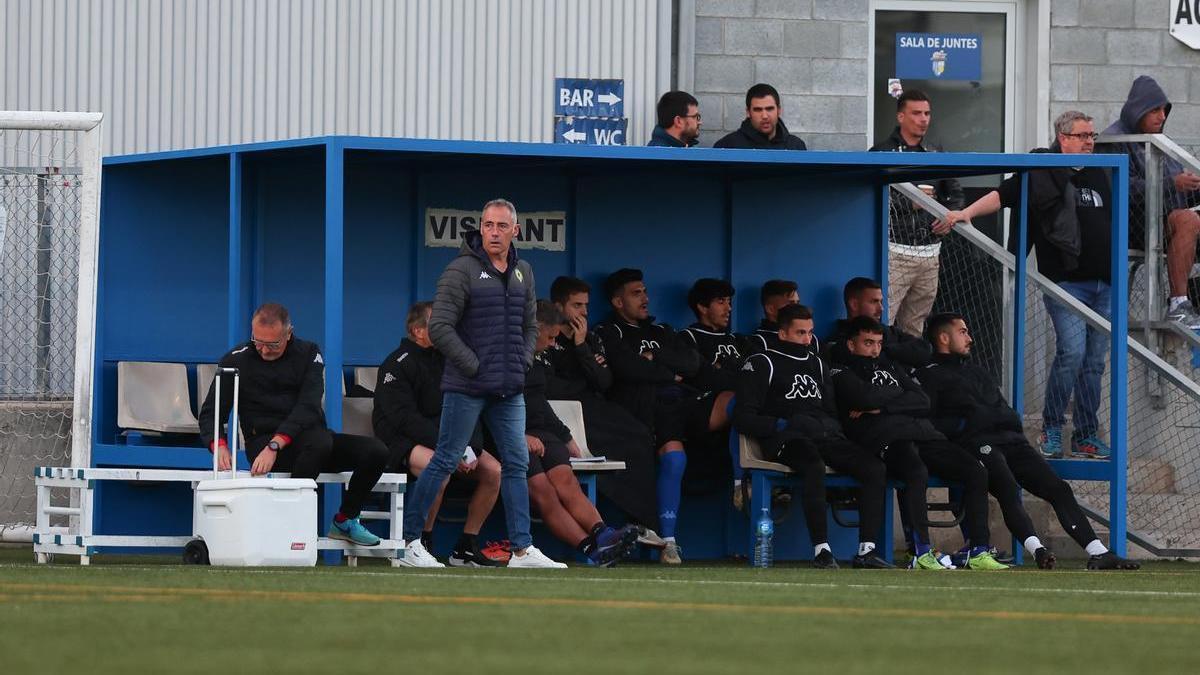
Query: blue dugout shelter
(340, 229)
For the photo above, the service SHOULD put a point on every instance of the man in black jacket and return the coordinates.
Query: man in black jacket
(553, 488)
(785, 401)
(649, 365)
(970, 410)
(407, 414)
(762, 129)
(774, 294)
(582, 373)
(914, 247)
(1070, 226)
(884, 410)
(864, 297)
(281, 418)
(678, 121)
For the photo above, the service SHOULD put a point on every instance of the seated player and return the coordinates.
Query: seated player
(864, 297)
(649, 364)
(970, 410)
(784, 400)
(884, 411)
(582, 373)
(553, 487)
(408, 408)
(283, 422)
(774, 295)
(720, 355)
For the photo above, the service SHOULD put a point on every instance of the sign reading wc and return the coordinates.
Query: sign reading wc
(545, 230)
(939, 56)
(1185, 21)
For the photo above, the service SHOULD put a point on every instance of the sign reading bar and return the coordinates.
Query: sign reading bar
(545, 230)
(939, 56)
(589, 98)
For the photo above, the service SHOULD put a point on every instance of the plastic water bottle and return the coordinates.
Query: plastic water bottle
(764, 534)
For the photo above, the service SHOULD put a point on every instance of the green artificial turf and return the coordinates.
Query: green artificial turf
(133, 615)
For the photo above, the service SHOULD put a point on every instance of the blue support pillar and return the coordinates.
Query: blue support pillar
(1018, 383)
(334, 284)
(885, 194)
(238, 321)
(1119, 373)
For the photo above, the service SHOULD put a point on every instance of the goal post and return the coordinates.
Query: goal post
(50, 172)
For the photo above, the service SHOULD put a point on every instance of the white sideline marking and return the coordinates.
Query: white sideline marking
(495, 575)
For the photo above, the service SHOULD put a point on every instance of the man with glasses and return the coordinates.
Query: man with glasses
(283, 421)
(1070, 225)
(678, 121)
(483, 321)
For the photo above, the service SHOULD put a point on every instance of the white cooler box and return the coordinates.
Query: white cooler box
(247, 522)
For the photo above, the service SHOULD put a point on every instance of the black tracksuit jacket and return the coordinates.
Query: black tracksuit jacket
(967, 405)
(863, 384)
(785, 394)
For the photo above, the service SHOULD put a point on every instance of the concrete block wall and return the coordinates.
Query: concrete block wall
(1098, 47)
(813, 51)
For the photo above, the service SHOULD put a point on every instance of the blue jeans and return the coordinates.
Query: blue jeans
(1079, 355)
(505, 418)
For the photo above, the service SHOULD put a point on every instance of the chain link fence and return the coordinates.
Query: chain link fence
(40, 204)
(1163, 412)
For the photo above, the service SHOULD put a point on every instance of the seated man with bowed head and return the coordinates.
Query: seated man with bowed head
(408, 411)
(282, 381)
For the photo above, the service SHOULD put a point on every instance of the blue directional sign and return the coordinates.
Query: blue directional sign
(590, 131)
(939, 56)
(589, 98)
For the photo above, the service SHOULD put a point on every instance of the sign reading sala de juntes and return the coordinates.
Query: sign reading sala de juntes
(544, 230)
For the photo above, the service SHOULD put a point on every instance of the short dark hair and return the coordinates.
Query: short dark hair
(548, 314)
(617, 280)
(760, 90)
(792, 313)
(940, 323)
(272, 312)
(564, 287)
(706, 290)
(418, 315)
(775, 288)
(855, 286)
(863, 324)
(674, 104)
(910, 95)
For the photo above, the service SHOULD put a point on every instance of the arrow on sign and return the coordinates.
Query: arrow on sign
(609, 98)
(573, 136)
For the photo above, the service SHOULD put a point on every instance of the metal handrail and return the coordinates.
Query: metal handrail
(1004, 257)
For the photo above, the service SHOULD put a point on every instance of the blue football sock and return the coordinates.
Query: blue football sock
(920, 547)
(670, 477)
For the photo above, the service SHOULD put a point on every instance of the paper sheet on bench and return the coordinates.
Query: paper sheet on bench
(588, 460)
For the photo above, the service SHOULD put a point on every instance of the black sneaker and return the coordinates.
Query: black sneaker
(613, 545)
(1111, 561)
(825, 561)
(871, 561)
(1045, 558)
(470, 557)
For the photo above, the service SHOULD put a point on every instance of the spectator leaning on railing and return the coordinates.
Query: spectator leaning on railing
(1145, 112)
(1070, 225)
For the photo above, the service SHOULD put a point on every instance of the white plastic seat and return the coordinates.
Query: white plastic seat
(365, 376)
(154, 397)
(751, 456)
(205, 372)
(356, 416)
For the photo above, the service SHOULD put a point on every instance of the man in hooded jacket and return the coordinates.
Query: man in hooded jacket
(1145, 112)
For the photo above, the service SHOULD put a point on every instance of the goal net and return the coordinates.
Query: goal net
(49, 211)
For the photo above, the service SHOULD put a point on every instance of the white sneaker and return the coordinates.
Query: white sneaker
(650, 538)
(415, 555)
(534, 559)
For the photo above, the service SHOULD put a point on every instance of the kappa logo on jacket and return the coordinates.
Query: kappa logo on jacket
(484, 275)
(727, 350)
(388, 378)
(804, 386)
(318, 359)
(649, 344)
(883, 378)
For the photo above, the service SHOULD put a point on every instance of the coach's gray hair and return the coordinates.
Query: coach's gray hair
(1067, 120)
(504, 203)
